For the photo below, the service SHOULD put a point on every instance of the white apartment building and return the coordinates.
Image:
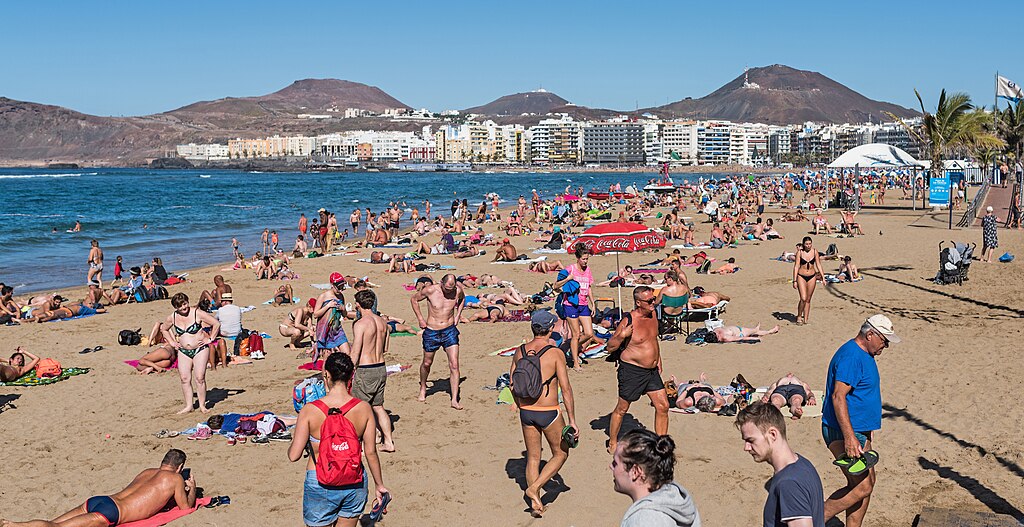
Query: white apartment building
(203, 152)
(652, 142)
(679, 142)
(713, 142)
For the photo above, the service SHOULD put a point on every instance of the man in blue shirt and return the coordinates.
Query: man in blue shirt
(853, 410)
(795, 497)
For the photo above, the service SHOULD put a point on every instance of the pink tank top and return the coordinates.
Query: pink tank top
(585, 278)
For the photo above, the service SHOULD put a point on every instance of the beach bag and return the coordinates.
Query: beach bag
(48, 368)
(527, 382)
(255, 342)
(339, 460)
(308, 391)
(129, 337)
(140, 294)
(247, 428)
(697, 336)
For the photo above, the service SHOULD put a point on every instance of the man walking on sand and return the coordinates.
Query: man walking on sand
(852, 411)
(795, 497)
(95, 265)
(639, 364)
(445, 302)
(145, 496)
(369, 343)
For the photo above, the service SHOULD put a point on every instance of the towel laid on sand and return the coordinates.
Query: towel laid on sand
(318, 365)
(524, 262)
(30, 379)
(74, 317)
(834, 279)
(295, 300)
(165, 517)
(545, 250)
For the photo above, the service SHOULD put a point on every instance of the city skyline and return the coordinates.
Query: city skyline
(129, 59)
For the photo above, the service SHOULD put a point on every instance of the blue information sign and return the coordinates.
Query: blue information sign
(938, 190)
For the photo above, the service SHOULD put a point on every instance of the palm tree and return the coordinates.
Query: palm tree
(1010, 126)
(955, 125)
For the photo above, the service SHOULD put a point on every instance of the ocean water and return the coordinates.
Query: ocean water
(190, 216)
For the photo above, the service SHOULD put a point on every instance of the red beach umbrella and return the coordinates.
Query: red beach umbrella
(618, 237)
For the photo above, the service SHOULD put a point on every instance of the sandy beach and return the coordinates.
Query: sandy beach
(950, 391)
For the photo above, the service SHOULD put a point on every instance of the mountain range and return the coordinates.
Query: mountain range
(33, 133)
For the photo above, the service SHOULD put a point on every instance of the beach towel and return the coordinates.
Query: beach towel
(320, 286)
(402, 334)
(330, 333)
(30, 379)
(135, 364)
(545, 250)
(391, 370)
(595, 352)
(295, 300)
(247, 309)
(524, 262)
(518, 315)
(74, 317)
(685, 246)
(165, 517)
(834, 279)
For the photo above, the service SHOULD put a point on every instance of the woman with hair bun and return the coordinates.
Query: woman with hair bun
(643, 466)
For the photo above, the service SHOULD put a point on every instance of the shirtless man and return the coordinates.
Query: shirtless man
(299, 324)
(370, 334)
(95, 264)
(639, 370)
(791, 391)
(301, 247)
(505, 253)
(726, 334)
(850, 222)
(14, 368)
(58, 311)
(445, 301)
(146, 495)
(213, 295)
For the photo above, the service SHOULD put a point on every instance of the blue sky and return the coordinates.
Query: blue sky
(135, 58)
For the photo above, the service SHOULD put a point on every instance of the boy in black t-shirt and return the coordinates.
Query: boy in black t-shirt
(795, 496)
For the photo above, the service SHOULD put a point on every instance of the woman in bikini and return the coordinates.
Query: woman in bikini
(806, 272)
(183, 331)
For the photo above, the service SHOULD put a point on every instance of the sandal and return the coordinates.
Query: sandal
(857, 465)
(163, 434)
(217, 501)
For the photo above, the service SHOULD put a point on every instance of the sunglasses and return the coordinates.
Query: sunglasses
(885, 341)
(646, 300)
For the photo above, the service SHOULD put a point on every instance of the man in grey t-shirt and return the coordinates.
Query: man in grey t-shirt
(795, 496)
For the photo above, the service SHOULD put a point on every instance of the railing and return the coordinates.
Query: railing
(1014, 205)
(972, 208)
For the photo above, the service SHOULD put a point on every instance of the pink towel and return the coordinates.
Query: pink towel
(313, 366)
(135, 364)
(163, 518)
(409, 287)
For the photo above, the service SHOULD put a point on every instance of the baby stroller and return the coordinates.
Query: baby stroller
(954, 263)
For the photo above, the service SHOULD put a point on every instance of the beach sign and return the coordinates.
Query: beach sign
(938, 190)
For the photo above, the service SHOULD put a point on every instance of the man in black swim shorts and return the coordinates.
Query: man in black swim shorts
(639, 364)
(790, 391)
(445, 301)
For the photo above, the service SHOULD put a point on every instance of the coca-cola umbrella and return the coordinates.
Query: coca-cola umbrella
(618, 237)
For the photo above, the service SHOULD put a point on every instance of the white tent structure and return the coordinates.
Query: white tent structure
(876, 155)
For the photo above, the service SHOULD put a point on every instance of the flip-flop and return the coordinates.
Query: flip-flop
(217, 501)
(569, 438)
(378, 510)
(162, 434)
(858, 465)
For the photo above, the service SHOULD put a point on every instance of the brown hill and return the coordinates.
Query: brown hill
(779, 94)
(536, 102)
(303, 96)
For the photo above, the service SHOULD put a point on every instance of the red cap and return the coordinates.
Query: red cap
(336, 277)
(505, 240)
(312, 302)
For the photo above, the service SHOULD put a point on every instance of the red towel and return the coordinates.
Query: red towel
(163, 518)
(313, 366)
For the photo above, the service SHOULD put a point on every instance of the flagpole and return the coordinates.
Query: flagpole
(995, 123)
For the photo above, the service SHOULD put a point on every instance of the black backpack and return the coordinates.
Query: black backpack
(129, 337)
(697, 336)
(613, 356)
(526, 379)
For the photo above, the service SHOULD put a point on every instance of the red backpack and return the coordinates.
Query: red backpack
(255, 342)
(339, 461)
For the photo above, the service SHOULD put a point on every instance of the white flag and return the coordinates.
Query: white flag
(1008, 89)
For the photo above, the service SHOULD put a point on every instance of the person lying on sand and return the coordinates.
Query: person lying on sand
(492, 312)
(790, 391)
(13, 368)
(156, 361)
(797, 215)
(61, 312)
(697, 393)
(147, 494)
(726, 334)
(729, 267)
(704, 299)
